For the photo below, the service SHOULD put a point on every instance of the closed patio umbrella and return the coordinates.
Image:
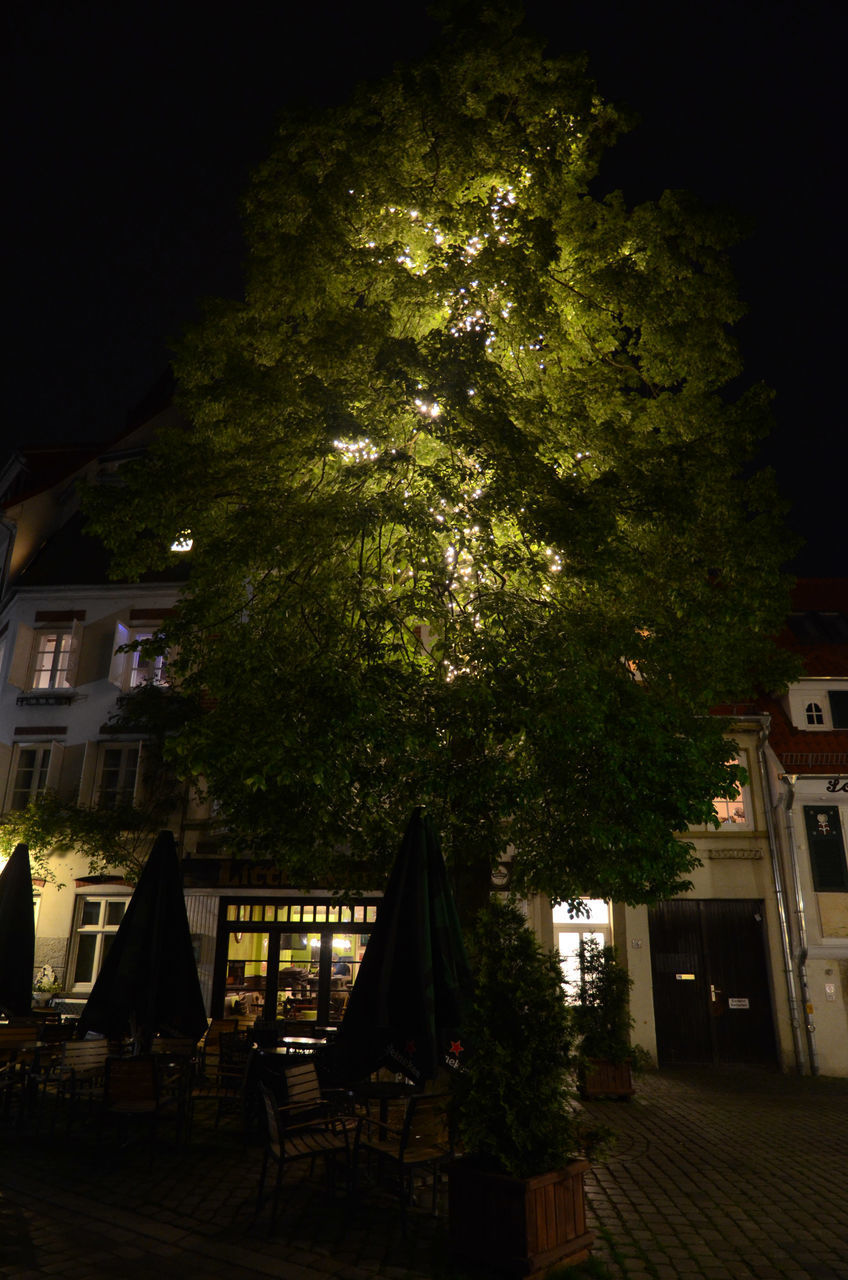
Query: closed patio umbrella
(408, 1003)
(148, 982)
(17, 934)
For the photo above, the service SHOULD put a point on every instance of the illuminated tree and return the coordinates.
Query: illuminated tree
(466, 490)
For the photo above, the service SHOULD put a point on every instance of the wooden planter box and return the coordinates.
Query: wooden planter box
(514, 1225)
(606, 1080)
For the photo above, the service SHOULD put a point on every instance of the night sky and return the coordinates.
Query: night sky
(131, 129)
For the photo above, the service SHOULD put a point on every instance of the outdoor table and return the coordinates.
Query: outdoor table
(384, 1092)
(297, 1045)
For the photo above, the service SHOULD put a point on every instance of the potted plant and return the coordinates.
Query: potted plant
(603, 1022)
(45, 985)
(516, 1198)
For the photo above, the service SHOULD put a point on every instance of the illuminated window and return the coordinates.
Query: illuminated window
(97, 921)
(130, 669)
(571, 931)
(736, 810)
(51, 660)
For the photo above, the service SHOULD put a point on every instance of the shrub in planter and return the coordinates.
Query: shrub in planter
(516, 1196)
(602, 1019)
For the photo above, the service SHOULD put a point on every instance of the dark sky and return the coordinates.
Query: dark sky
(131, 129)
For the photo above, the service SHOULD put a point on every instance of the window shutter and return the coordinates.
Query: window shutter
(19, 667)
(88, 774)
(54, 768)
(77, 629)
(138, 782)
(6, 775)
(118, 668)
(68, 783)
(827, 851)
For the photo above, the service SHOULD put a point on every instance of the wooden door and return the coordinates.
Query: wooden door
(712, 998)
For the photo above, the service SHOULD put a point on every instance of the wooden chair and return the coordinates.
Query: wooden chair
(224, 1080)
(75, 1079)
(306, 1098)
(289, 1137)
(422, 1141)
(132, 1093)
(18, 1040)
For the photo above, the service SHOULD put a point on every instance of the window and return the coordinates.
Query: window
(97, 924)
(570, 932)
(839, 708)
(30, 775)
(51, 660)
(735, 811)
(143, 669)
(118, 770)
(814, 713)
(827, 848)
(128, 670)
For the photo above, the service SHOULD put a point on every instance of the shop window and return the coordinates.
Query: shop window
(827, 848)
(571, 931)
(118, 773)
(30, 775)
(97, 921)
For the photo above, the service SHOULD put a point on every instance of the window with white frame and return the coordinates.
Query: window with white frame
(30, 775)
(136, 666)
(97, 921)
(570, 931)
(51, 659)
(144, 669)
(118, 774)
(735, 811)
(813, 713)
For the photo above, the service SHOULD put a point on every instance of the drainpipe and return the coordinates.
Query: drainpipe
(777, 872)
(809, 1025)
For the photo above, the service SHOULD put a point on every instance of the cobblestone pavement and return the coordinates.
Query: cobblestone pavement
(724, 1175)
(713, 1176)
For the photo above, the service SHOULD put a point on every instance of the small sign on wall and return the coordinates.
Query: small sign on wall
(738, 1002)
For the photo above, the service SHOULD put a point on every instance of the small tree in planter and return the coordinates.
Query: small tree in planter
(515, 1122)
(602, 1019)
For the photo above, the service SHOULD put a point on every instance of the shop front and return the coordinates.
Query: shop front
(288, 958)
(267, 951)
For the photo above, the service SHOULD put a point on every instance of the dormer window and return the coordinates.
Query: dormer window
(814, 713)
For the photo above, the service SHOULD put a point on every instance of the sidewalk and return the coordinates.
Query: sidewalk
(715, 1176)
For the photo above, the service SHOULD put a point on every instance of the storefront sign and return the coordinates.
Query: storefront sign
(232, 873)
(836, 784)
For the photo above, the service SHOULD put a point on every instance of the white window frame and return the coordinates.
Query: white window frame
(123, 793)
(570, 932)
(21, 796)
(99, 931)
(24, 666)
(128, 670)
(55, 753)
(807, 692)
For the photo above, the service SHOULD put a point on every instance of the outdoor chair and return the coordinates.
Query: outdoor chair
(224, 1081)
(288, 1138)
(75, 1078)
(132, 1093)
(306, 1099)
(422, 1141)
